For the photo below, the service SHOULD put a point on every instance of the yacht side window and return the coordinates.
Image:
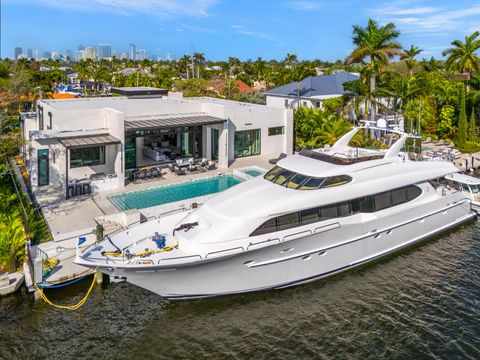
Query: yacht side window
(288, 221)
(337, 180)
(366, 204)
(267, 227)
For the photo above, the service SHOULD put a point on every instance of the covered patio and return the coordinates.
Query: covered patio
(159, 140)
(92, 163)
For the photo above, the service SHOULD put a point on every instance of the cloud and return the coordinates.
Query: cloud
(304, 5)
(243, 30)
(158, 8)
(432, 21)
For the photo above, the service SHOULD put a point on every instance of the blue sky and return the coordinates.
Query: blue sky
(221, 28)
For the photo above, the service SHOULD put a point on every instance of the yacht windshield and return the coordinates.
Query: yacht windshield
(293, 180)
(474, 189)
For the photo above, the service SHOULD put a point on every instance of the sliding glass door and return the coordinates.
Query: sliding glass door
(43, 171)
(247, 143)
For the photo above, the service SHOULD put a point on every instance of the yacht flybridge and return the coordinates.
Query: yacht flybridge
(314, 214)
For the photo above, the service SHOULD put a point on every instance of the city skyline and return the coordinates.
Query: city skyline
(219, 29)
(98, 52)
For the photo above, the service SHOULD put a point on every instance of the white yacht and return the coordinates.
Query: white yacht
(313, 215)
(469, 185)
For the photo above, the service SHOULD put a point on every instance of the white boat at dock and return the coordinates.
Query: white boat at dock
(314, 214)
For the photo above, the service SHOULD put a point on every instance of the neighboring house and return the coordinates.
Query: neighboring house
(100, 139)
(311, 92)
(219, 86)
(72, 78)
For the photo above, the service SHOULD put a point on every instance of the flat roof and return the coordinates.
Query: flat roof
(139, 91)
(130, 105)
(173, 122)
(88, 140)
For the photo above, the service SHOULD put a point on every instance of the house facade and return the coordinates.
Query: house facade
(101, 140)
(309, 92)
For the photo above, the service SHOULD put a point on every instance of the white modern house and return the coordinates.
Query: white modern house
(310, 92)
(99, 140)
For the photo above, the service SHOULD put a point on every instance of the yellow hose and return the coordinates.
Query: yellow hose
(68, 307)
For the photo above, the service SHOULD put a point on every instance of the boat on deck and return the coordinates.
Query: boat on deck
(469, 185)
(314, 214)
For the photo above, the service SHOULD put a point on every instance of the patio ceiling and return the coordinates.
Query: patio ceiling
(88, 140)
(173, 122)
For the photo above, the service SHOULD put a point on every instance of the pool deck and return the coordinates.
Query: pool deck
(77, 215)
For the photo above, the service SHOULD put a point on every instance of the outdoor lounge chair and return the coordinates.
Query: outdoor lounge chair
(428, 140)
(139, 175)
(179, 171)
(155, 173)
(274, 161)
(440, 143)
(211, 165)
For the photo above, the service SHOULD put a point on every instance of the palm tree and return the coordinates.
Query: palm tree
(259, 67)
(233, 64)
(291, 60)
(409, 57)
(462, 55)
(379, 45)
(199, 60)
(184, 62)
(431, 65)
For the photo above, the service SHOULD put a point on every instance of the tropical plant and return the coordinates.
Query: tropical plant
(315, 127)
(462, 56)
(12, 242)
(377, 44)
(445, 128)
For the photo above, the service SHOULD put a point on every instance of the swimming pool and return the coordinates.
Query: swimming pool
(249, 172)
(175, 192)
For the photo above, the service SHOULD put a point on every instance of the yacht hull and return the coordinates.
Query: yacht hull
(305, 257)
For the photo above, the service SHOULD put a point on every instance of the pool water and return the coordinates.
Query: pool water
(253, 172)
(171, 193)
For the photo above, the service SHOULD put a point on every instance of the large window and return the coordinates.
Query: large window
(365, 204)
(247, 143)
(87, 156)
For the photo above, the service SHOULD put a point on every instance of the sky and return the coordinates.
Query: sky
(246, 29)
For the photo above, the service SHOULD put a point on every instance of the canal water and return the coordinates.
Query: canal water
(423, 302)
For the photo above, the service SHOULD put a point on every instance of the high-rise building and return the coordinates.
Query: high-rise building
(123, 56)
(142, 54)
(104, 51)
(32, 54)
(132, 52)
(46, 55)
(18, 52)
(80, 55)
(90, 53)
